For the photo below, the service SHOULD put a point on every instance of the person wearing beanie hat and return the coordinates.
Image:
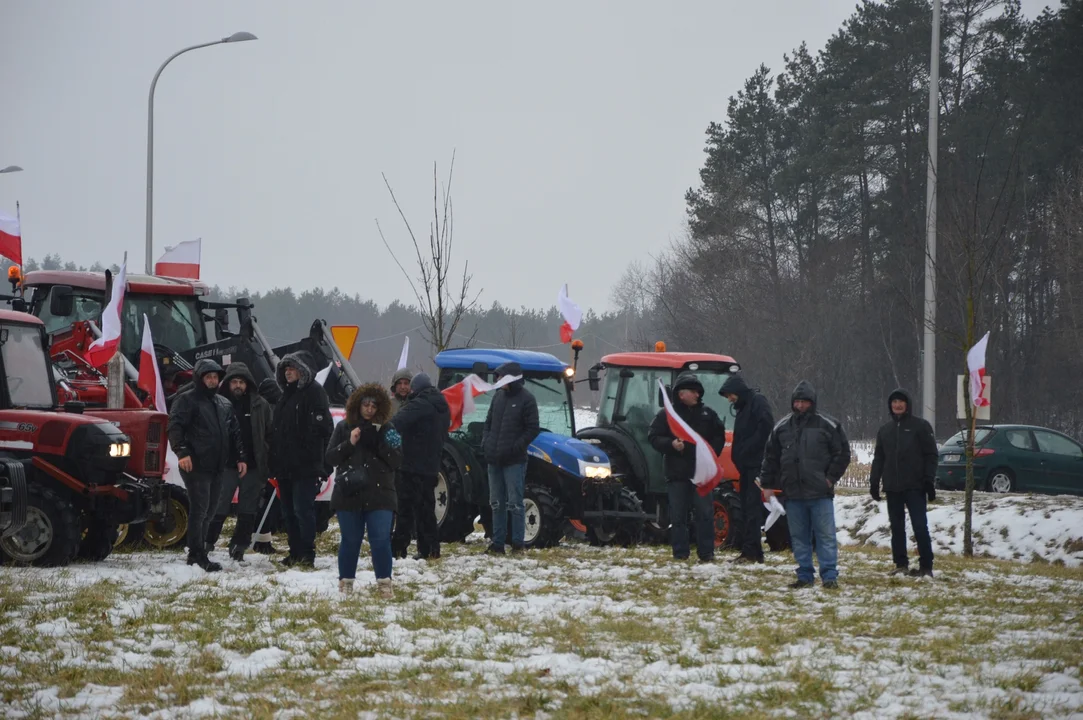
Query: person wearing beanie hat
(400, 389)
(423, 423)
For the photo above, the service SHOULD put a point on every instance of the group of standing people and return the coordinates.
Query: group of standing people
(803, 456)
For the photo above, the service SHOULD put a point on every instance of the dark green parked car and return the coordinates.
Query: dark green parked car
(1014, 458)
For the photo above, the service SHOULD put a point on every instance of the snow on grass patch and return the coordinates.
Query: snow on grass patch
(1009, 527)
(574, 631)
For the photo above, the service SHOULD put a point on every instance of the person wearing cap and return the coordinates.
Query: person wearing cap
(905, 459)
(423, 423)
(300, 430)
(365, 439)
(680, 467)
(805, 457)
(510, 426)
(206, 437)
(400, 389)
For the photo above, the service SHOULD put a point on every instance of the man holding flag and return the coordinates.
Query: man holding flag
(690, 436)
(805, 456)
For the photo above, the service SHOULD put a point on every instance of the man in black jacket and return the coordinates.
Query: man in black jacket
(300, 431)
(254, 416)
(680, 467)
(423, 424)
(905, 459)
(510, 426)
(805, 456)
(751, 428)
(206, 437)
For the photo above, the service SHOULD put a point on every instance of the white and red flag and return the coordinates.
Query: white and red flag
(180, 261)
(150, 379)
(102, 350)
(708, 471)
(571, 313)
(975, 364)
(460, 396)
(404, 356)
(11, 239)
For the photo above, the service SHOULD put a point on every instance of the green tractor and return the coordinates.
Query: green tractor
(630, 399)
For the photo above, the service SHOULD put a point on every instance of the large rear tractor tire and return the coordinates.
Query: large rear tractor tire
(543, 518)
(619, 531)
(172, 533)
(453, 516)
(98, 540)
(728, 518)
(51, 535)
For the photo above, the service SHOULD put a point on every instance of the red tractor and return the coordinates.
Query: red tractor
(83, 473)
(630, 399)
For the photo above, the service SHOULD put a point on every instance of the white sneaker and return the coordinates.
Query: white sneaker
(384, 588)
(345, 586)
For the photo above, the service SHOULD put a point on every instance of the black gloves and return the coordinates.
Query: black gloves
(930, 491)
(874, 490)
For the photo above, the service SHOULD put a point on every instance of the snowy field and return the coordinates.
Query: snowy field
(576, 632)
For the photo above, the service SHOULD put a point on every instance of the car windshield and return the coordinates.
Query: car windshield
(175, 322)
(959, 439)
(554, 413)
(26, 370)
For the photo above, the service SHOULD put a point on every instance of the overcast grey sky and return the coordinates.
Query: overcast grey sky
(578, 126)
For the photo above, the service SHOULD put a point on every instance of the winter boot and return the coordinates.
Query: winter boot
(922, 572)
(345, 586)
(200, 558)
(264, 548)
(899, 570)
(242, 536)
(236, 553)
(384, 588)
(214, 530)
(801, 584)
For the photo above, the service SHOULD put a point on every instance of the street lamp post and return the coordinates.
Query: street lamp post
(235, 37)
(928, 365)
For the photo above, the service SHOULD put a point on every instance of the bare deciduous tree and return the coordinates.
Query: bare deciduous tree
(443, 300)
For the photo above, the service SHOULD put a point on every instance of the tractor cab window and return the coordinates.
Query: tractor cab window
(26, 368)
(641, 402)
(175, 322)
(554, 412)
(87, 306)
(712, 383)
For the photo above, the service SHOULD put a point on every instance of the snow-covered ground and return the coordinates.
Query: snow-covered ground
(573, 631)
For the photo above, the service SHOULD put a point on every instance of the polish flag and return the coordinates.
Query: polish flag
(11, 241)
(460, 396)
(150, 380)
(405, 354)
(102, 350)
(571, 313)
(975, 363)
(180, 261)
(708, 471)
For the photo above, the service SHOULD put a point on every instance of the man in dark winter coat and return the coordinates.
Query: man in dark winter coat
(400, 389)
(206, 437)
(302, 426)
(805, 456)
(680, 466)
(905, 459)
(510, 426)
(254, 416)
(751, 428)
(423, 424)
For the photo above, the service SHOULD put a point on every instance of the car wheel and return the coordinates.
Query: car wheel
(1001, 480)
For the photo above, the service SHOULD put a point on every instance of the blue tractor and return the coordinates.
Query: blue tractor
(568, 481)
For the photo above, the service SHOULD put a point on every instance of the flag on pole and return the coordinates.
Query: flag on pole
(322, 375)
(975, 364)
(571, 313)
(460, 396)
(405, 353)
(180, 261)
(150, 379)
(708, 472)
(11, 239)
(102, 350)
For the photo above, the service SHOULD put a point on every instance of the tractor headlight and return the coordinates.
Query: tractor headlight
(569, 372)
(120, 449)
(594, 471)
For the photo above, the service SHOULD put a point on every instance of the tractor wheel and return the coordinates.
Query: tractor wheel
(453, 515)
(98, 540)
(619, 531)
(778, 537)
(728, 518)
(543, 518)
(172, 533)
(51, 535)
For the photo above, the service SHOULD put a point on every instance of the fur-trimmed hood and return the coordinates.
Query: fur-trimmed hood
(293, 360)
(383, 404)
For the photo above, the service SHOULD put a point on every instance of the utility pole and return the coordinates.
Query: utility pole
(928, 368)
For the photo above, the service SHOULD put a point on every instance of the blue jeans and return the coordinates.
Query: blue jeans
(506, 488)
(299, 514)
(683, 499)
(811, 519)
(352, 523)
